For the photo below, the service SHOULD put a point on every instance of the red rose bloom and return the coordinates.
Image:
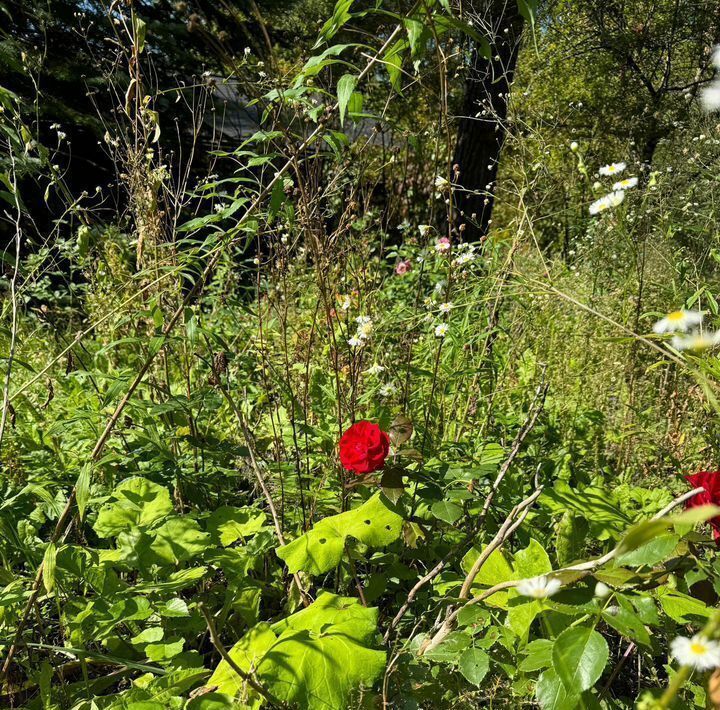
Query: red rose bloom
(710, 481)
(364, 448)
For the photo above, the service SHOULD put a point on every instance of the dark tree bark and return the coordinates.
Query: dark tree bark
(482, 127)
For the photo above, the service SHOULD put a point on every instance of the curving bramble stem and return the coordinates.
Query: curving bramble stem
(583, 569)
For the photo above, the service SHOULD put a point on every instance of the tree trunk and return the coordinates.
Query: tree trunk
(482, 127)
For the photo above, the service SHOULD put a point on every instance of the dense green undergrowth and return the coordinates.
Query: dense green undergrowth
(178, 525)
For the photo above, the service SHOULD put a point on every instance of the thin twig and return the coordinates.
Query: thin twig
(535, 408)
(534, 411)
(13, 296)
(512, 522)
(584, 568)
(220, 648)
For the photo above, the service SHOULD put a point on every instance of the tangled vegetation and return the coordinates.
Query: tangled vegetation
(359, 354)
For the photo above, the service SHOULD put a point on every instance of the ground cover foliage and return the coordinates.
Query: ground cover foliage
(300, 411)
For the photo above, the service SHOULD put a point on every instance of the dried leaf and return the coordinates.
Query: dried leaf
(401, 430)
(714, 689)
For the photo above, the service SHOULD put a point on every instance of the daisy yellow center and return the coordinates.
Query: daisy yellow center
(698, 648)
(675, 316)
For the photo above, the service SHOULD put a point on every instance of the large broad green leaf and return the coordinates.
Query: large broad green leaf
(655, 550)
(495, 570)
(451, 648)
(596, 504)
(317, 658)
(319, 672)
(579, 657)
(628, 624)
(552, 694)
(228, 524)
(246, 653)
(474, 665)
(321, 548)
(346, 614)
(179, 539)
(538, 655)
(532, 561)
(682, 608)
(135, 502)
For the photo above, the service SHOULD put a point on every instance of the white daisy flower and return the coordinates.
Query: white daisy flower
(612, 169)
(612, 199)
(354, 342)
(697, 342)
(387, 390)
(375, 369)
(441, 330)
(441, 183)
(442, 245)
(465, 258)
(615, 198)
(681, 320)
(710, 97)
(626, 184)
(600, 205)
(445, 307)
(539, 587)
(697, 652)
(365, 327)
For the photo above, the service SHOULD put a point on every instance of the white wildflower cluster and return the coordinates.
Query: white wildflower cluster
(616, 197)
(465, 254)
(625, 184)
(686, 327)
(710, 95)
(363, 332)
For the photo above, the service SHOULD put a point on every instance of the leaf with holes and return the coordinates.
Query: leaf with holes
(321, 548)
